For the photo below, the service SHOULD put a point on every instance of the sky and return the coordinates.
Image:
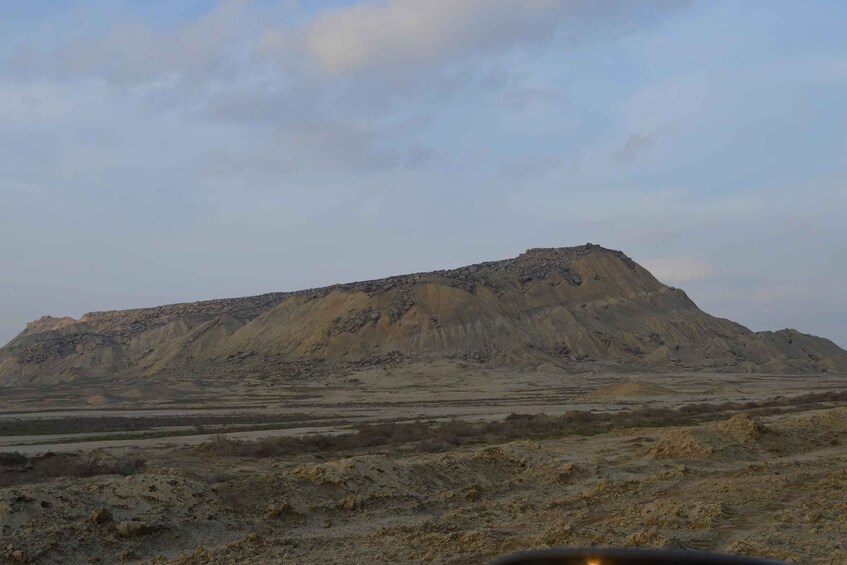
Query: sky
(177, 150)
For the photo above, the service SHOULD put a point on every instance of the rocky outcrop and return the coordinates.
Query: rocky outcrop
(577, 308)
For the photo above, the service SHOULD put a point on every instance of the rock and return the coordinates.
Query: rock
(275, 510)
(100, 515)
(354, 321)
(564, 472)
(474, 493)
(353, 502)
(133, 529)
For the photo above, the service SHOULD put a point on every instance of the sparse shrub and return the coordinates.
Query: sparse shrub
(431, 437)
(221, 445)
(127, 466)
(429, 446)
(456, 432)
(57, 465)
(14, 458)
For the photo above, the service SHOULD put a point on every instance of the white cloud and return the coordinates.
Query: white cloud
(372, 33)
(679, 269)
(399, 33)
(131, 53)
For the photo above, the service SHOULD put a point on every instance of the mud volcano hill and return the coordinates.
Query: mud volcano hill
(573, 309)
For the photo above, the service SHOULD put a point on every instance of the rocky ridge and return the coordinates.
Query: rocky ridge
(572, 309)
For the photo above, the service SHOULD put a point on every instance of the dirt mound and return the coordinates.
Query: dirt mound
(673, 512)
(834, 421)
(739, 436)
(681, 443)
(366, 474)
(97, 400)
(458, 473)
(491, 467)
(808, 432)
(88, 515)
(741, 428)
(628, 389)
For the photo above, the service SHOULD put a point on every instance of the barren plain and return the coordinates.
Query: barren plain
(444, 462)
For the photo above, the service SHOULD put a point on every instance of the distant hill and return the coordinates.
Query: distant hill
(576, 309)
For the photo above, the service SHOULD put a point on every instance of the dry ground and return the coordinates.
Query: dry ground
(767, 478)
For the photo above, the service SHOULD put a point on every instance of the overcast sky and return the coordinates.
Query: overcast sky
(167, 151)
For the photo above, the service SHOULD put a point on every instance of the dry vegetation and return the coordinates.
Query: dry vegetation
(16, 468)
(432, 437)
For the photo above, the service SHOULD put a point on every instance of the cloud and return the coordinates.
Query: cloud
(370, 34)
(679, 269)
(340, 89)
(402, 33)
(635, 146)
(237, 38)
(132, 53)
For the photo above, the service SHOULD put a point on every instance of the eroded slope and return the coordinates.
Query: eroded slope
(574, 308)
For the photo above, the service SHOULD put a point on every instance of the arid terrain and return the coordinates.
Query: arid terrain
(562, 398)
(575, 309)
(749, 464)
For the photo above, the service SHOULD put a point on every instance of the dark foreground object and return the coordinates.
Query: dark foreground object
(593, 556)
